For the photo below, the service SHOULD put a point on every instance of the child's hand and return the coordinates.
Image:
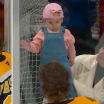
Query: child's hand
(23, 43)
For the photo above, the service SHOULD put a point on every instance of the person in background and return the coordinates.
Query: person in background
(56, 87)
(80, 16)
(5, 64)
(5, 74)
(53, 41)
(88, 75)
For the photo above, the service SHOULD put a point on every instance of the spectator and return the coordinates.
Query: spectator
(88, 73)
(5, 74)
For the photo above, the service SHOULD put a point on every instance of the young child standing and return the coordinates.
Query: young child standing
(53, 42)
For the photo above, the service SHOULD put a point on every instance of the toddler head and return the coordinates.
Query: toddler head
(53, 16)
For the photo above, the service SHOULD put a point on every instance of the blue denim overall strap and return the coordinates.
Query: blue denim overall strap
(54, 50)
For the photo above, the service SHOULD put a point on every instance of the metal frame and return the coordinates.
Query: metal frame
(7, 25)
(15, 49)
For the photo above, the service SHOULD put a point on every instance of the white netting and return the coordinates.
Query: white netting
(30, 23)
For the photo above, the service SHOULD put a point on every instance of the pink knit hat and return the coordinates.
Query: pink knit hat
(52, 8)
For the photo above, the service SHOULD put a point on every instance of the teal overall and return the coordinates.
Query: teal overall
(54, 50)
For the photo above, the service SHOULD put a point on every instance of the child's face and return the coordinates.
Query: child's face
(54, 24)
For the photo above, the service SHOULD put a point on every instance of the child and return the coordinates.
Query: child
(55, 86)
(53, 41)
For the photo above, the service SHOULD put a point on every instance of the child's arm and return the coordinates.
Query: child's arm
(69, 43)
(35, 45)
